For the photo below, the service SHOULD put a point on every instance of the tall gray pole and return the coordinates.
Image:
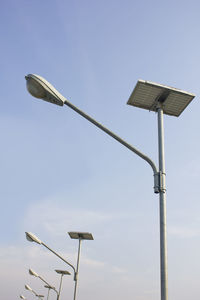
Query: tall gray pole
(77, 267)
(58, 297)
(48, 293)
(162, 197)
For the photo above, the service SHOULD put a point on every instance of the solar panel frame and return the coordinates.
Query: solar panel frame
(147, 94)
(80, 235)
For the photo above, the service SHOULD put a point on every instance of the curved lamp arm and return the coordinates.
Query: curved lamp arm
(33, 273)
(120, 140)
(33, 238)
(60, 257)
(27, 287)
(52, 287)
(40, 88)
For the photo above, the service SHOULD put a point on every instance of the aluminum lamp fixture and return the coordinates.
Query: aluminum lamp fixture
(149, 95)
(27, 287)
(31, 272)
(32, 238)
(81, 235)
(40, 88)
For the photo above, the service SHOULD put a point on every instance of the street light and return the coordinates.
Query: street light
(33, 238)
(79, 236)
(22, 297)
(147, 95)
(33, 273)
(62, 273)
(42, 89)
(49, 288)
(27, 287)
(170, 101)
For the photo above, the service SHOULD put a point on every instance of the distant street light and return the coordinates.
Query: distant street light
(22, 297)
(49, 288)
(27, 287)
(62, 273)
(33, 273)
(147, 95)
(78, 235)
(32, 238)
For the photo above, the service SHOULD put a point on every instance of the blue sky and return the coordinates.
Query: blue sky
(59, 173)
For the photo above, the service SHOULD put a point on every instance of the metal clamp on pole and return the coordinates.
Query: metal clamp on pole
(162, 182)
(156, 182)
(75, 276)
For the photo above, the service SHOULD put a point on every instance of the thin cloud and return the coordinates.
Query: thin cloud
(182, 232)
(52, 219)
(118, 270)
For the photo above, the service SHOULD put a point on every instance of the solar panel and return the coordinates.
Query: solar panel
(148, 94)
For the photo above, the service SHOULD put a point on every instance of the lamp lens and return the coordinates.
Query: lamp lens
(35, 89)
(28, 237)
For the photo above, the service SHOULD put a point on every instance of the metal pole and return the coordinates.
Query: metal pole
(162, 196)
(77, 268)
(48, 293)
(60, 287)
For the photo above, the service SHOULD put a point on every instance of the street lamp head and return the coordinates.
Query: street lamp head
(34, 87)
(22, 297)
(32, 238)
(27, 287)
(40, 88)
(31, 272)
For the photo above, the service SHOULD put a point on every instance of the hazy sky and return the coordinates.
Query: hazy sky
(59, 173)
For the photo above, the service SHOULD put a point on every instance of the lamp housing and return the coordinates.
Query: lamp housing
(40, 88)
(33, 238)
